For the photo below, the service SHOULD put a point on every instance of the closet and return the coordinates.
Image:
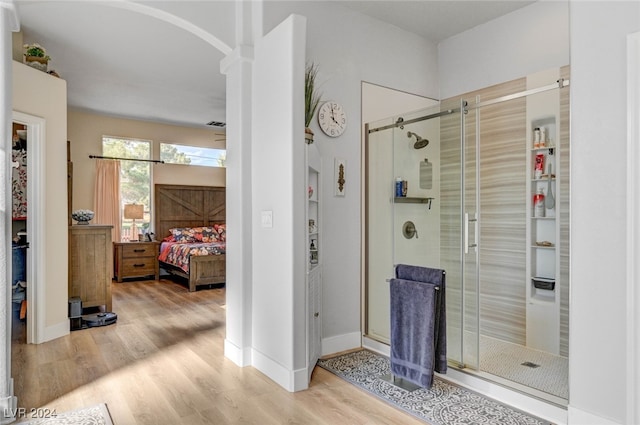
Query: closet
(19, 243)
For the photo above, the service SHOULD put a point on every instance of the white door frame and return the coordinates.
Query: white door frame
(35, 223)
(633, 228)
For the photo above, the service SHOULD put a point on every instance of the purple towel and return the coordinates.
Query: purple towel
(418, 326)
(420, 274)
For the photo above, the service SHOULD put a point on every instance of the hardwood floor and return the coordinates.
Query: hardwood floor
(163, 363)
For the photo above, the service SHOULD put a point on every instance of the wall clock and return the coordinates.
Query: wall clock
(332, 119)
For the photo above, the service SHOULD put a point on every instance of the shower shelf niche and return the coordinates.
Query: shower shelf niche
(542, 294)
(410, 200)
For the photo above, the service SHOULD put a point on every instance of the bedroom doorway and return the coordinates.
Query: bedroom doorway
(19, 242)
(31, 138)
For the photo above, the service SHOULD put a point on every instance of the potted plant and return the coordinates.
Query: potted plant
(311, 99)
(36, 56)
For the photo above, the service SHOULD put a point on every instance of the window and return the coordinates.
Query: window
(192, 155)
(135, 180)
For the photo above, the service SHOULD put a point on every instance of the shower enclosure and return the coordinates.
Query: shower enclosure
(452, 187)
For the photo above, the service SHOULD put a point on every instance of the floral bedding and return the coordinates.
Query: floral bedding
(185, 242)
(178, 254)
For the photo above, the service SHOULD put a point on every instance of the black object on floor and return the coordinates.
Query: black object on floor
(99, 319)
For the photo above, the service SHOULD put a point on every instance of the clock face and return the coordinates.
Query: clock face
(332, 119)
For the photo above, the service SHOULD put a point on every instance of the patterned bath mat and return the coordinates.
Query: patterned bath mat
(443, 404)
(94, 415)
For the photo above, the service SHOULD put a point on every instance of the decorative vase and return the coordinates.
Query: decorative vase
(308, 135)
(37, 62)
(82, 216)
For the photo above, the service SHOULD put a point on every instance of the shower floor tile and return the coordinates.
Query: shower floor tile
(543, 371)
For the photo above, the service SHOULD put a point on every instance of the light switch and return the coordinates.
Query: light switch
(267, 218)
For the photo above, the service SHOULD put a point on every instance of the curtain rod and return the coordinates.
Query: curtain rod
(126, 159)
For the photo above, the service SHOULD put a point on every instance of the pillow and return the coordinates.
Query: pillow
(194, 234)
(222, 231)
(206, 234)
(182, 235)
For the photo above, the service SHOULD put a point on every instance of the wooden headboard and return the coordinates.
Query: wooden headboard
(187, 206)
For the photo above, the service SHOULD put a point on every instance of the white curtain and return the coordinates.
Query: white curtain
(106, 203)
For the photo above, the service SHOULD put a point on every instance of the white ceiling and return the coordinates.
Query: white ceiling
(436, 20)
(120, 62)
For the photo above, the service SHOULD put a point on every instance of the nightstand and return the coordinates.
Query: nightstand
(136, 259)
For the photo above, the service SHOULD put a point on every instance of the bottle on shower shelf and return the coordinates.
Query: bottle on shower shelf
(538, 203)
(398, 187)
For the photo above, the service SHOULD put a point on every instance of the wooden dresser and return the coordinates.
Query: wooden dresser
(136, 259)
(90, 264)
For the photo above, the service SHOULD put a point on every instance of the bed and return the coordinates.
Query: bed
(199, 209)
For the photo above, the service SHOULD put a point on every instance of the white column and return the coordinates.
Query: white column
(237, 66)
(8, 24)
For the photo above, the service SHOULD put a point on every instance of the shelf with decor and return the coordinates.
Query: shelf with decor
(314, 253)
(543, 295)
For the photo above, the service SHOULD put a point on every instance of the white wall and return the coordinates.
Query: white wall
(350, 48)
(42, 95)
(597, 372)
(278, 188)
(520, 43)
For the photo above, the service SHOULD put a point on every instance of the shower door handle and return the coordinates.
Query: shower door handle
(467, 220)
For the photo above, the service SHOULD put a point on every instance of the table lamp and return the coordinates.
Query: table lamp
(134, 212)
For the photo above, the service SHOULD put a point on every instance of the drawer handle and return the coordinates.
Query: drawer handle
(139, 250)
(138, 265)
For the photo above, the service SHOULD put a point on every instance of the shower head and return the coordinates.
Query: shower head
(420, 142)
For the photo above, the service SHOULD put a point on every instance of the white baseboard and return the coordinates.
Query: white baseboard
(290, 380)
(580, 417)
(53, 332)
(376, 346)
(241, 357)
(336, 344)
(8, 406)
(550, 412)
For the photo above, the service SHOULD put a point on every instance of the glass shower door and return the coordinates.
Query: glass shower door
(459, 230)
(423, 221)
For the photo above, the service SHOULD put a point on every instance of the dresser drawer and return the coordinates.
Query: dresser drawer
(139, 250)
(138, 266)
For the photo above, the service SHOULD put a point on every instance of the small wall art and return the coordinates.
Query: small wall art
(340, 172)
